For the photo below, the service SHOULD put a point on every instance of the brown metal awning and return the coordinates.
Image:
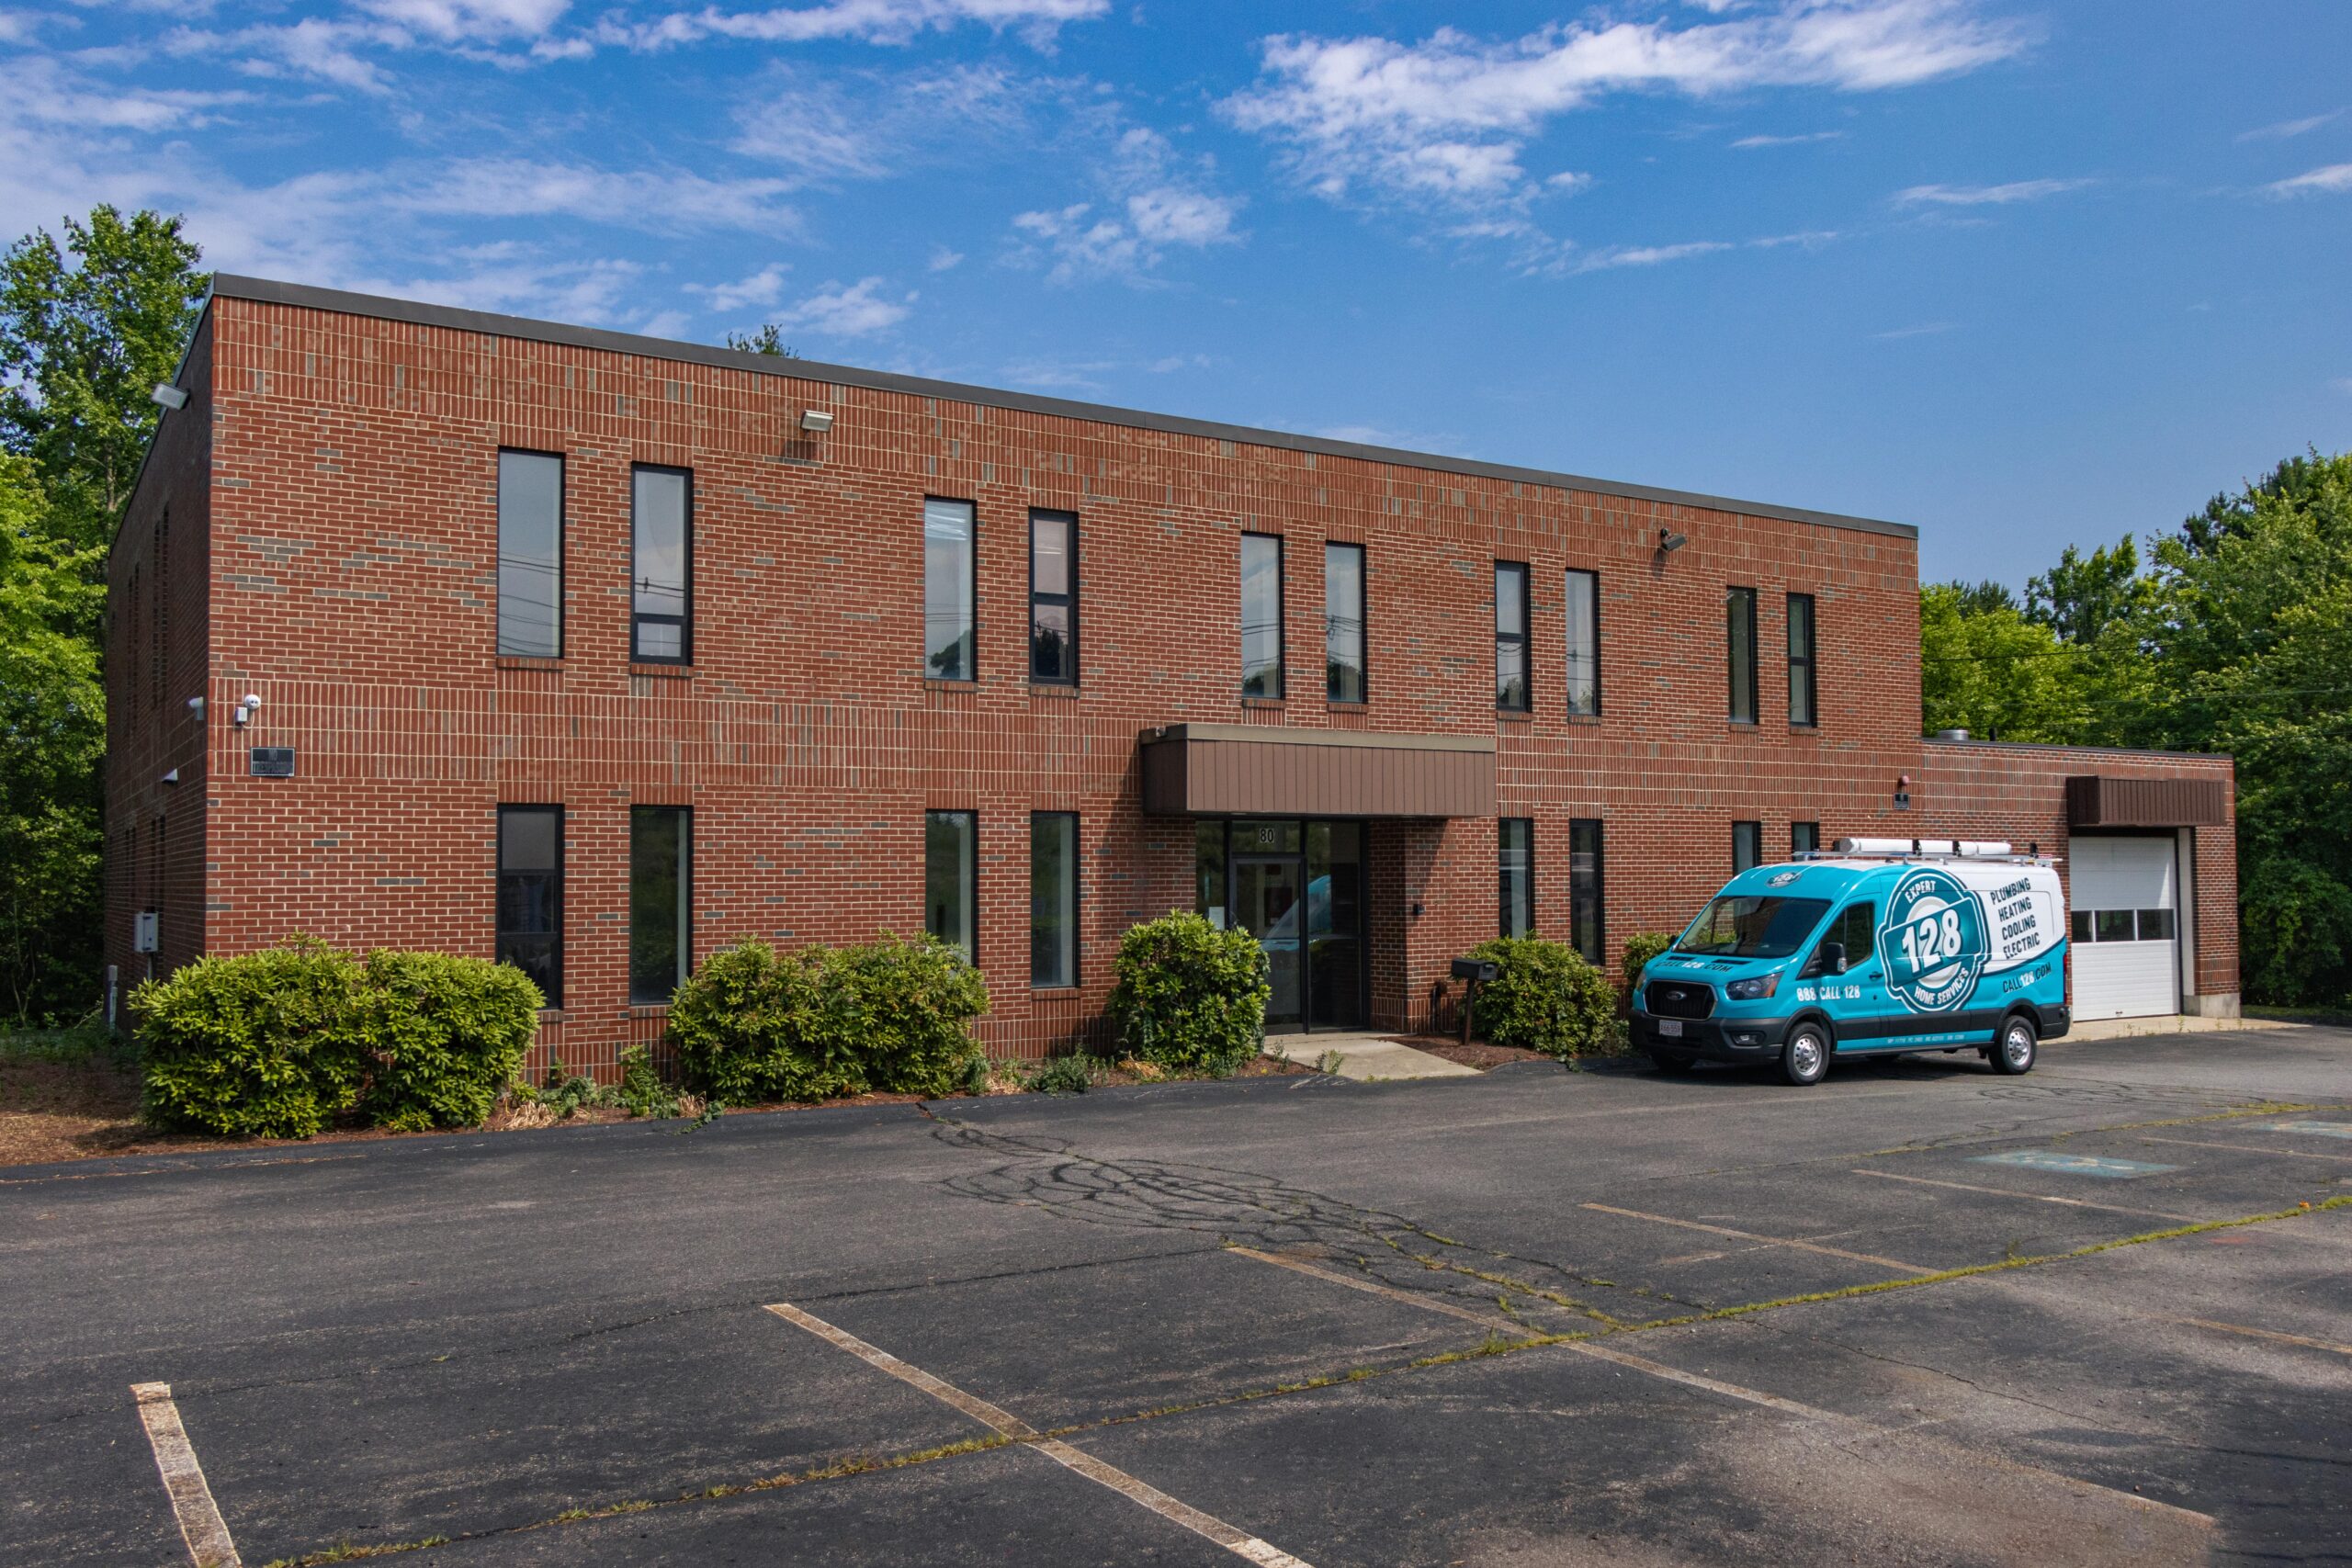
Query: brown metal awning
(1253, 769)
(2104, 800)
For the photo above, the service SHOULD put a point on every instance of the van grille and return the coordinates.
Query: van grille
(1681, 999)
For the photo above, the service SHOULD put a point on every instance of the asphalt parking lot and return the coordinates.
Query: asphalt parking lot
(1918, 1315)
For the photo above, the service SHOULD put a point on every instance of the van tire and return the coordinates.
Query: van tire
(2015, 1047)
(1805, 1060)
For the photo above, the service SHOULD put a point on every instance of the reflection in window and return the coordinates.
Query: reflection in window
(1517, 843)
(1053, 598)
(1804, 837)
(1053, 898)
(1511, 636)
(661, 509)
(1261, 616)
(1801, 664)
(530, 895)
(950, 860)
(947, 610)
(1739, 637)
(1747, 846)
(530, 554)
(1343, 623)
(1584, 642)
(661, 947)
(1586, 932)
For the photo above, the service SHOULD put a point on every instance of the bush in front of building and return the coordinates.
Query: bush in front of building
(1640, 948)
(1188, 996)
(753, 1024)
(279, 1043)
(1546, 998)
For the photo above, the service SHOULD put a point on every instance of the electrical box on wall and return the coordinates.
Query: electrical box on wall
(270, 762)
(146, 930)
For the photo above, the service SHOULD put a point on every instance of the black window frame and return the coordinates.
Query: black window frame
(1569, 651)
(1066, 601)
(1740, 628)
(1076, 891)
(1526, 702)
(1331, 683)
(683, 916)
(1503, 874)
(1592, 890)
(1753, 830)
(1282, 615)
(1797, 831)
(554, 994)
(685, 622)
(1803, 668)
(970, 892)
(971, 671)
(563, 547)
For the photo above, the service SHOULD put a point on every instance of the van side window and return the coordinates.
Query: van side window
(1856, 929)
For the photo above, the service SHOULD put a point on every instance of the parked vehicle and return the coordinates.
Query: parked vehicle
(1887, 945)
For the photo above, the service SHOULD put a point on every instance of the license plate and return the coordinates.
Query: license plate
(1669, 1029)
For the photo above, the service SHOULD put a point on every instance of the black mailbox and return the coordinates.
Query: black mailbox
(1485, 971)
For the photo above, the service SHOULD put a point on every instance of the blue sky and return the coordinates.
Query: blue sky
(2020, 274)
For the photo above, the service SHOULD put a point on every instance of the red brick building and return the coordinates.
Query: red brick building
(805, 652)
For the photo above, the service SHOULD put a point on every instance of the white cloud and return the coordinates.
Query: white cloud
(2327, 181)
(851, 311)
(1924, 328)
(835, 125)
(452, 21)
(660, 200)
(1449, 117)
(313, 47)
(38, 88)
(2287, 128)
(943, 259)
(866, 21)
(1161, 201)
(1644, 255)
(1985, 195)
(1750, 141)
(765, 287)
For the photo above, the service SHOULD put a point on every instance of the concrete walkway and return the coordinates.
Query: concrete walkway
(2182, 1024)
(1365, 1057)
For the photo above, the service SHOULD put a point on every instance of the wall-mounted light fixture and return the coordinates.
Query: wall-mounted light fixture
(247, 706)
(816, 422)
(195, 709)
(1668, 541)
(169, 396)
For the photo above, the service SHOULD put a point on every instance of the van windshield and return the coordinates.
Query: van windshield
(1751, 927)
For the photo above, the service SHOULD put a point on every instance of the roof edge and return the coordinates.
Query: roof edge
(1972, 743)
(302, 296)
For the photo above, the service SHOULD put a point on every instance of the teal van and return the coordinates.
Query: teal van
(1886, 946)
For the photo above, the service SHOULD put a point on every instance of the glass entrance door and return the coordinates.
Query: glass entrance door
(1266, 904)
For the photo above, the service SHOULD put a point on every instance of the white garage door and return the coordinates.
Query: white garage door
(2124, 894)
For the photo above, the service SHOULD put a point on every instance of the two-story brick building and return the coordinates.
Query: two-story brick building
(597, 652)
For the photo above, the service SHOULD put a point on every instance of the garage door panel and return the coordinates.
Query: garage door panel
(2130, 977)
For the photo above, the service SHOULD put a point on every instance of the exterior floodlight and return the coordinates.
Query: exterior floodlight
(816, 422)
(1668, 541)
(171, 396)
(195, 709)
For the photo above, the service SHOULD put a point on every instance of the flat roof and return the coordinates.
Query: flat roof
(302, 296)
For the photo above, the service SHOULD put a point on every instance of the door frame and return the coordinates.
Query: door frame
(1362, 936)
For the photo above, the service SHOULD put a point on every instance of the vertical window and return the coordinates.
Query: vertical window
(160, 619)
(1511, 636)
(1801, 681)
(949, 859)
(1804, 837)
(1517, 842)
(1053, 898)
(1585, 930)
(530, 554)
(1208, 869)
(1261, 616)
(661, 511)
(947, 577)
(530, 895)
(1053, 598)
(1343, 623)
(1583, 600)
(1747, 846)
(660, 940)
(1740, 634)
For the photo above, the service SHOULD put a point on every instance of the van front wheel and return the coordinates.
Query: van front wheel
(1806, 1058)
(2014, 1052)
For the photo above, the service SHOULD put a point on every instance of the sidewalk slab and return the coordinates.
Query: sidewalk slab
(2169, 1023)
(1365, 1057)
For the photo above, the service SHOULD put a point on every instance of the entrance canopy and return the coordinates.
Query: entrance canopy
(1252, 769)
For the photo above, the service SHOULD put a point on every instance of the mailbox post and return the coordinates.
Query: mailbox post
(1477, 971)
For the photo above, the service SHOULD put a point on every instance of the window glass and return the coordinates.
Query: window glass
(949, 861)
(1750, 927)
(1511, 636)
(1053, 598)
(1804, 837)
(530, 554)
(1747, 846)
(661, 508)
(2079, 925)
(1583, 600)
(1800, 677)
(1053, 898)
(1208, 865)
(1585, 901)
(1343, 623)
(530, 895)
(947, 613)
(2113, 925)
(1517, 841)
(659, 944)
(1334, 878)
(1740, 634)
(1853, 930)
(1261, 616)
(2156, 925)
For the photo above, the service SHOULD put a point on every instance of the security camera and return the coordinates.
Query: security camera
(247, 706)
(171, 396)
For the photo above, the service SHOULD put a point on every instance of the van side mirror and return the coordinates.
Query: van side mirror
(1833, 957)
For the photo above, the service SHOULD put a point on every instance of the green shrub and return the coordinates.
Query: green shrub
(753, 1024)
(444, 1036)
(1190, 997)
(1073, 1073)
(1640, 948)
(1546, 998)
(641, 1090)
(269, 1044)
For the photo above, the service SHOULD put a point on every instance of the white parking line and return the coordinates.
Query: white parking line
(1899, 1267)
(1239, 1542)
(201, 1527)
(2032, 1196)
(1493, 1320)
(2243, 1148)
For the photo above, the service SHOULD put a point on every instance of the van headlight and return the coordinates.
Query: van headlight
(1754, 990)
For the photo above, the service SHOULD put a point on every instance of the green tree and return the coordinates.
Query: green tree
(768, 340)
(1993, 672)
(2082, 596)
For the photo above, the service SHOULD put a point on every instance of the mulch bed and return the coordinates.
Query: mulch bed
(1477, 1053)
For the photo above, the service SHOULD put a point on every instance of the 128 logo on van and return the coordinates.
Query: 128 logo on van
(1933, 941)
